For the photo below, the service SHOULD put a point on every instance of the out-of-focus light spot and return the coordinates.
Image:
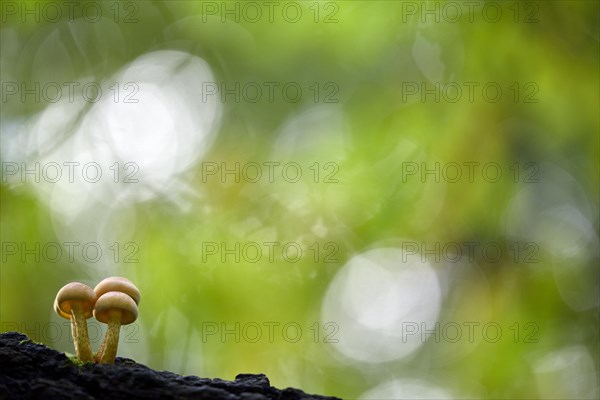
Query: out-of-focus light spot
(566, 225)
(376, 298)
(438, 51)
(567, 373)
(50, 133)
(316, 140)
(13, 142)
(151, 124)
(554, 211)
(409, 389)
(318, 132)
(319, 229)
(427, 56)
(555, 214)
(455, 341)
(171, 124)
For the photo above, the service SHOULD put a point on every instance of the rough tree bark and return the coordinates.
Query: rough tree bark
(34, 371)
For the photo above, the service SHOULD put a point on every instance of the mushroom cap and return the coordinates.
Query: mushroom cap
(115, 301)
(118, 284)
(71, 293)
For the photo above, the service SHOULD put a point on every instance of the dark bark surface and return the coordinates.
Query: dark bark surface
(34, 371)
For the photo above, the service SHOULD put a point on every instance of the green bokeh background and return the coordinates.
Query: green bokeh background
(368, 52)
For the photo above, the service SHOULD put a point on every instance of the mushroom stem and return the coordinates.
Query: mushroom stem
(100, 351)
(81, 338)
(73, 331)
(111, 340)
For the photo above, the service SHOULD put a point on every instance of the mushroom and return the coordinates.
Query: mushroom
(115, 284)
(118, 284)
(75, 301)
(114, 309)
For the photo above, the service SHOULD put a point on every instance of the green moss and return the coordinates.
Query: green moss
(73, 358)
(29, 341)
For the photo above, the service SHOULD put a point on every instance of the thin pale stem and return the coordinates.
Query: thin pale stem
(81, 339)
(112, 338)
(101, 349)
(73, 331)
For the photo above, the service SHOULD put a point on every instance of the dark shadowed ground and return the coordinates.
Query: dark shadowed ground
(34, 371)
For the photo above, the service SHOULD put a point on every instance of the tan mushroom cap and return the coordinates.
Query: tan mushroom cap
(115, 301)
(71, 293)
(118, 284)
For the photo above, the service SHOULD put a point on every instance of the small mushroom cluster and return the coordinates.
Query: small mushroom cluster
(113, 301)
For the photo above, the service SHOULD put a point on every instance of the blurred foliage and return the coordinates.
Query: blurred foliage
(368, 53)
